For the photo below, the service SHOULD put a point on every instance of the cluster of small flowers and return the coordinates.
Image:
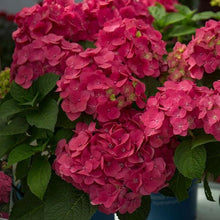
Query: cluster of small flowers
(41, 29)
(178, 68)
(43, 55)
(115, 164)
(99, 81)
(137, 44)
(4, 82)
(202, 54)
(5, 187)
(178, 107)
(210, 111)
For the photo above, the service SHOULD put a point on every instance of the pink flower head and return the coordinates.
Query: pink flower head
(75, 103)
(198, 57)
(108, 111)
(138, 42)
(5, 187)
(113, 163)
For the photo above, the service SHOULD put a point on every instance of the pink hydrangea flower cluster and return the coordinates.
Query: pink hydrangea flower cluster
(137, 44)
(44, 28)
(100, 82)
(45, 54)
(178, 69)
(201, 55)
(5, 187)
(178, 107)
(114, 163)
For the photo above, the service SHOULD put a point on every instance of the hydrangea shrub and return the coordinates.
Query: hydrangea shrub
(110, 96)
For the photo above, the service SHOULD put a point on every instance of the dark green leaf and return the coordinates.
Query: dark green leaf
(217, 15)
(181, 30)
(15, 126)
(63, 134)
(20, 94)
(213, 158)
(180, 185)
(39, 133)
(46, 83)
(190, 162)
(45, 117)
(203, 16)
(87, 44)
(6, 144)
(9, 108)
(39, 176)
(20, 153)
(158, 11)
(141, 213)
(22, 169)
(171, 18)
(151, 85)
(203, 139)
(33, 101)
(167, 192)
(28, 208)
(64, 122)
(207, 190)
(64, 202)
(183, 9)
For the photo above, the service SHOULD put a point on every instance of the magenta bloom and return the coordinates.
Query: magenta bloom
(200, 56)
(114, 163)
(5, 187)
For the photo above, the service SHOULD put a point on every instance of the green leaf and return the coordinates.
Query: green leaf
(183, 9)
(151, 85)
(63, 134)
(61, 201)
(22, 169)
(33, 101)
(203, 16)
(20, 153)
(15, 126)
(87, 44)
(64, 202)
(45, 117)
(6, 144)
(213, 158)
(39, 176)
(201, 140)
(181, 30)
(28, 208)
(20, 94)
(190, 162)
(46, 83)
(64, 122)
(9, 108)
(207, 190)
(171, 18)
(141, 213)
(180, 185)
(217, 15)
(158, 11)
(39, 133)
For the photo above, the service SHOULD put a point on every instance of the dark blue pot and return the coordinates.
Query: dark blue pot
(168, 208)
(101, 216)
